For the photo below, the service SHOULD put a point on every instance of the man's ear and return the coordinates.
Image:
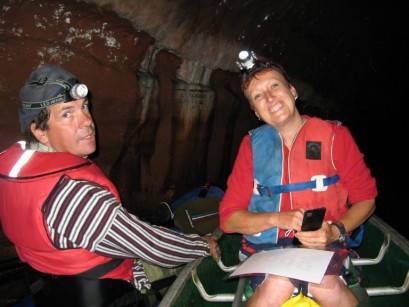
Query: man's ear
(41, 135)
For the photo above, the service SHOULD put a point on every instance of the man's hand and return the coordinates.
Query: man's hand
(215, 251)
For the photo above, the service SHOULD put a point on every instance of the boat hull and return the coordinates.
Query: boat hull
(385, 273)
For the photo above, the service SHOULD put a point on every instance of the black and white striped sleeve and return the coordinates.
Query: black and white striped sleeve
(157, 245)
(82, 214)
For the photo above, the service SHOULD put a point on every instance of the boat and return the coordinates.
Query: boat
(383, 262)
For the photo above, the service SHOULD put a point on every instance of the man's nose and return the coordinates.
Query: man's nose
(85, 119)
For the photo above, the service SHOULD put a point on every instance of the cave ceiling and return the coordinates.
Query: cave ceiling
(329, 47)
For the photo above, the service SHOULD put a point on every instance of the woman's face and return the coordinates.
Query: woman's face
(271, 97)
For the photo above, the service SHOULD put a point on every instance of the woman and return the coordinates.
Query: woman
(293, 163)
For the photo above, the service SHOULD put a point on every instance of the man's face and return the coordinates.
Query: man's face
(71, 128)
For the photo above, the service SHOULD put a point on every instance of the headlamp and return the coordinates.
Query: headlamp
(78, 91)
(246, 60)
(249, 64)
(64, 91)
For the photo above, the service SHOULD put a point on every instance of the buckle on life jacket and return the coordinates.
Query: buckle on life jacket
(318, 183)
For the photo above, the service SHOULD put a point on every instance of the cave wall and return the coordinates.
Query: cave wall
(164, 122)
(164, 82)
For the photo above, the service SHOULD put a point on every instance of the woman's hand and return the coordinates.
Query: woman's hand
(318, 238)
(290, 219)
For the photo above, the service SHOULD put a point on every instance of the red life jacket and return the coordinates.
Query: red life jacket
(302, 168)
(27, 178)
(310, 157)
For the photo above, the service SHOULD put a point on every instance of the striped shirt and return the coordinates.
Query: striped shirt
(83, 214)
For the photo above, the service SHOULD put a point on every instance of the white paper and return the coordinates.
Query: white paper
(299, 263)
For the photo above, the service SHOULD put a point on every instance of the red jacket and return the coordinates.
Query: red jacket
(26, 179)
(356, 180)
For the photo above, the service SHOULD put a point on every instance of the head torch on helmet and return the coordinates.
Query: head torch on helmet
(65, 92)
(246, 60)
(249, 63)
(78, 91)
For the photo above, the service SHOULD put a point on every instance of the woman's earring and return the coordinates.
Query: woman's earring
(296, 97)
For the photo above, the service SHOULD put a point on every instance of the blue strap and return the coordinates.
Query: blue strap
(292, 187)
(357, 238)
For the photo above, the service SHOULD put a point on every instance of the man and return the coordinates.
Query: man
(65, 216)
(288, 165)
